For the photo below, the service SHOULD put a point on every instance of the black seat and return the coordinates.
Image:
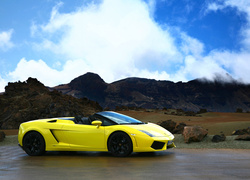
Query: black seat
(86, 121)
(78, 120)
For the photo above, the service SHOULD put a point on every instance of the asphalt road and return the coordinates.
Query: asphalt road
(172, 164)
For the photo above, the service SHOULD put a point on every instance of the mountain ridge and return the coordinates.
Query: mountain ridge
(150, 93)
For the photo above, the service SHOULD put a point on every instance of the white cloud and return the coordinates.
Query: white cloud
(152, 6)
(237, 63)
(5, 40)
(3, 83)
(198, 68)
(214, 7)
(191, 46)
(47, 75)
(114, 38)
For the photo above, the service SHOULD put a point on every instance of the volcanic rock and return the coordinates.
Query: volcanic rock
(194, 134)
(24, 101)
(244, 137)
(241, 131)
(168, 125)
(179, 128)
(218, 138)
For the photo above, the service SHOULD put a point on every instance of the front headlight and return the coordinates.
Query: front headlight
(148, 133)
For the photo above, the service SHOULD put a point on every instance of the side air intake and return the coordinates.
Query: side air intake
(157, 145)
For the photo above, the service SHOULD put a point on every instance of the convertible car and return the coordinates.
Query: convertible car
(104, 131)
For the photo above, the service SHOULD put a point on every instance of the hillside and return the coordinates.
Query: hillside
(24, 101)
(148, 93)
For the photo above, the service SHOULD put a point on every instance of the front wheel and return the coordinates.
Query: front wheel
(34, 144)
(120, 144)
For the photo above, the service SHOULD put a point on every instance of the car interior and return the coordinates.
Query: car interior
(88, 120)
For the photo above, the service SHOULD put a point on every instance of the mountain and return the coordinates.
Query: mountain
(217, 96)
(89, 86)
(24, 101)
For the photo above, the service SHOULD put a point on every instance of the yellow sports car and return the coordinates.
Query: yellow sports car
(104, 131)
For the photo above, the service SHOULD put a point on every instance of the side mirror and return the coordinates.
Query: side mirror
(97, 123)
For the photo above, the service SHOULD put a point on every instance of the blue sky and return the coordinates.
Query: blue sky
(177, 40)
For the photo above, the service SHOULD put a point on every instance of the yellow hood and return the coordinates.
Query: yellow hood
(154, 129)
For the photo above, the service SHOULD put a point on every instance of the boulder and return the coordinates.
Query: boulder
(179, 128)
(2, 136)
(168, 124)
(218, 138)
(241, 131)
(244, 137)
(194, 134)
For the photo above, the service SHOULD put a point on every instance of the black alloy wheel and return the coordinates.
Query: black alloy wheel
(34, 144)
(120, 144)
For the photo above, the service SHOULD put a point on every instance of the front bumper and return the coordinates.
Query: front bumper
(157, 145)
(153, 144)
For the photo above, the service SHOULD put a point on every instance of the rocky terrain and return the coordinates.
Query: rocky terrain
(194, 95)
(24, 101)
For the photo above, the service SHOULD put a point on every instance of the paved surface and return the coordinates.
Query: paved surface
(171, 164)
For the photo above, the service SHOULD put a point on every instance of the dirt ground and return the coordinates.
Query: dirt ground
(215, 122)
(10, 132)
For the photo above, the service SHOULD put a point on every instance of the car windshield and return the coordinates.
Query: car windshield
(119, 118)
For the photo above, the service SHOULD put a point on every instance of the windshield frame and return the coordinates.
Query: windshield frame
(119, 118)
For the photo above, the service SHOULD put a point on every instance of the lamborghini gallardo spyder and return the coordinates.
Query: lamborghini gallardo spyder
(104, 131)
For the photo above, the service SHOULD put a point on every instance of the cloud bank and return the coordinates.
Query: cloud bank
(119, 38)
(235, 63)
(115, 39)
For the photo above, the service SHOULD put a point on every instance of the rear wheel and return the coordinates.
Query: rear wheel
(34, 144)
(120, 144)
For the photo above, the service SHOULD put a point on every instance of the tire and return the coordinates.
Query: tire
(34, 144)
(120, 144)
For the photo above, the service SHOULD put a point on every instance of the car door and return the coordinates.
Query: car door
(84, 137)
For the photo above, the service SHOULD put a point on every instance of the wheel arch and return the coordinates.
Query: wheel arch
(34, 130)
(132, 142)
(29, 127)
(34, 143)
